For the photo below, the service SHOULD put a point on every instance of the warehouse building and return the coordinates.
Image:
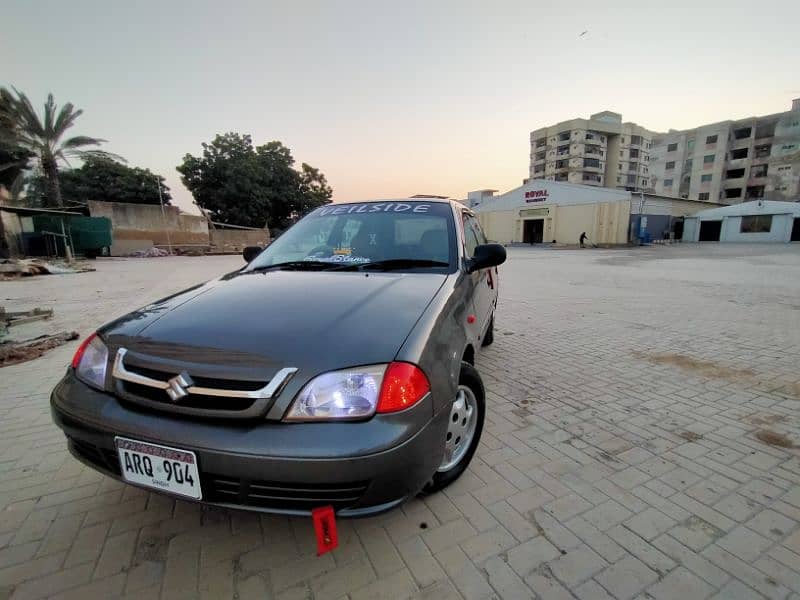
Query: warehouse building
(543, 211)
(757, 221)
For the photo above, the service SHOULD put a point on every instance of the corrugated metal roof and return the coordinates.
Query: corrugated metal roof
(24, 210)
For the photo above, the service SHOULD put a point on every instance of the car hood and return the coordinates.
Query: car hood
(316, 321)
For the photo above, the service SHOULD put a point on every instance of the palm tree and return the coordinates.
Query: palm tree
(23, 129)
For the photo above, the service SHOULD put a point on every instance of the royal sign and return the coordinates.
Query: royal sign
(536, 196)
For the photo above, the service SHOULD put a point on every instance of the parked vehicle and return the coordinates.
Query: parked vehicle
(335, 368)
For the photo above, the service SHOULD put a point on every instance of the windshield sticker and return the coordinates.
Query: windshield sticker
(338, 258)
(342, 251)
(372, 208)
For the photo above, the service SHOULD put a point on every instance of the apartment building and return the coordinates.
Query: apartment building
(730, 161)
(599, 151)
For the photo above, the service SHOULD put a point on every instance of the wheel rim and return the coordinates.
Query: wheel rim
(460, 428)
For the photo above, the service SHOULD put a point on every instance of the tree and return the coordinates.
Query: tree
(44, 137)
(101, 178)
(13, 159)
(253, 186)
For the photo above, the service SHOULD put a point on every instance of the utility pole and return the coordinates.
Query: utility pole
(164, 215)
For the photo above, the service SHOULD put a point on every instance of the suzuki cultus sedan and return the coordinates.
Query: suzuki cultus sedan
(334, 369)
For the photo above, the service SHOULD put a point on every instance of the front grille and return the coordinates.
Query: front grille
(193, 389)
(196, 401)
(107, 460)
(281, 495)
(209, 382)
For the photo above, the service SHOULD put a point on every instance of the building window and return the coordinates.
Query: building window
(672, 147)
(636, 140)
(667, 183)
(755, 191)
(690, 145)
(563, 136)
(756, 224)
(687, 166)
(742, 133)
(703, 196)
(712, 139)
(764, 130)
(592, 177)
(763, 150)
(708, 159)
(538, 168)
(591, 162)
(787, 147)
(733, 193)
(562, 164)
(758, 171)
(670, 165)
(705, 178)
(734, 173)
(785, 168)
(620, 166)
(739, 153)
(540, 155)
(634, 153)
(541, 142)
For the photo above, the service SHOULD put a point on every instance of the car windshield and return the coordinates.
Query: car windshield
(415, 235)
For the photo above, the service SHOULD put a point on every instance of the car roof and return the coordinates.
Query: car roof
(430, 199)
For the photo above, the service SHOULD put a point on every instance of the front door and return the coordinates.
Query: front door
(484, 281)
(533, 231)
(796, 230)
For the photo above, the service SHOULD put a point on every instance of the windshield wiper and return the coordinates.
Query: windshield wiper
(392, 264)
(299, 265)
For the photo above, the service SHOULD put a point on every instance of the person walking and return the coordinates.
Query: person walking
(582, 238)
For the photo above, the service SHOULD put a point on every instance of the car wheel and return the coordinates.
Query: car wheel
(464, 427)
(488, 337)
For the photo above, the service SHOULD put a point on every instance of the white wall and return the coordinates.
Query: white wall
(691, 229)
(780, 231)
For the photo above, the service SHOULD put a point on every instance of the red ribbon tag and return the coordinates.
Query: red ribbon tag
(325, 529)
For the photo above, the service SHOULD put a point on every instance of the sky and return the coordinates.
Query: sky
(390, 99)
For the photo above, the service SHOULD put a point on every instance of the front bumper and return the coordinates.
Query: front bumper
(360, 468)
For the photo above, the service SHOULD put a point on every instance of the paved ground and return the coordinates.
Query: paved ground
(621, 457)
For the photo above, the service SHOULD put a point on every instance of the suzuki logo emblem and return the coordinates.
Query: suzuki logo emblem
(178, 386)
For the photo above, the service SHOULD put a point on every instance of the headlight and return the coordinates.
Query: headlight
(359, 393)
(90, 362)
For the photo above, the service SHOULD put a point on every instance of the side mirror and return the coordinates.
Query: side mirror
(250, 252)
(486, 255)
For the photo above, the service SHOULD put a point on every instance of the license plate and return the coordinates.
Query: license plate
(159, 467)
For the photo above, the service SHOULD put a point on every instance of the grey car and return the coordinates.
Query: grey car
(336, 368)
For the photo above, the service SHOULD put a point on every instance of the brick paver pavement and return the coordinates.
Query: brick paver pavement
(620, 458)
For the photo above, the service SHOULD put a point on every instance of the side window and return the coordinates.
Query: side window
(470, 238)
(478, 231)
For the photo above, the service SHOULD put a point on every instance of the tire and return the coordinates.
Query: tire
(488, 337)
(468, 379)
